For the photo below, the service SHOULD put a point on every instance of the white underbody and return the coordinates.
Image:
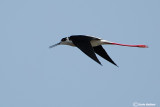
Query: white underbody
(95, 43)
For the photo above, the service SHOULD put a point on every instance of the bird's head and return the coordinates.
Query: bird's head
(64, 41)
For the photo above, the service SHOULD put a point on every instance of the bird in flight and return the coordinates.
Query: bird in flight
(91, 45)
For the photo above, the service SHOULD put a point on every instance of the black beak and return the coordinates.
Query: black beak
(55, 45)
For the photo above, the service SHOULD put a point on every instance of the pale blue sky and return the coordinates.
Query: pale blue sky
(32, 75)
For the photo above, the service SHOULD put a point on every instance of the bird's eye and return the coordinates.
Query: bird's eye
(64, 39)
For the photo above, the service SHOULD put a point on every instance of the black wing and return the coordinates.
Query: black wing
(101, 52)
(84, 45)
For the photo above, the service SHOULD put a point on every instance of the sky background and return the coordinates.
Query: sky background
(32, 75)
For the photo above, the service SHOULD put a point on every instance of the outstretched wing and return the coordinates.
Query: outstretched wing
(84, 45)
(101, 52)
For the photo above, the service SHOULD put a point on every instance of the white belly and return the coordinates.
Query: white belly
(95, 43)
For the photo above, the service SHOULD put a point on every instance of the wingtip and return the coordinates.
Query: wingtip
(99, 62)
(117, 66)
